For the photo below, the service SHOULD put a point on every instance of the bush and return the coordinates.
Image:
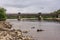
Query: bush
(2, 14)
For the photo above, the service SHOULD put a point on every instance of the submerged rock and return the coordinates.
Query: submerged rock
(39, 30)
(25, 31)
(32, 27)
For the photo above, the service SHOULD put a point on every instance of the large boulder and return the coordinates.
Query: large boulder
(5, 25)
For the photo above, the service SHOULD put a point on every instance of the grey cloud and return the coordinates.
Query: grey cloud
(18, 6)
(33, 5)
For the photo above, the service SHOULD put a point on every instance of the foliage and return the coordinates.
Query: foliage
(2, 14)
(11, 17)
(56, 12)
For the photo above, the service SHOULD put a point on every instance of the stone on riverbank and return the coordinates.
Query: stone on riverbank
(39, 30)
(5, 26)
(7, 34)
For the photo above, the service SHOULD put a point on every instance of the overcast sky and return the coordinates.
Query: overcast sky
(30, 6)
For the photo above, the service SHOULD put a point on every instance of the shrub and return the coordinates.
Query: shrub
(2, 14)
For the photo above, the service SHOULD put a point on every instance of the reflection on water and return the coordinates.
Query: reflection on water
(52, 28)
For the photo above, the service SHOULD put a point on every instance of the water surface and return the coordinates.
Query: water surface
(51, 28)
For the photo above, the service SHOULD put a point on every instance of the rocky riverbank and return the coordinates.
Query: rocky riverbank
(6, 33)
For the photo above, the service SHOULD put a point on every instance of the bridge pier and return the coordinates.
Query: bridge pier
(19, 17)
(58, 16)
(39, 16)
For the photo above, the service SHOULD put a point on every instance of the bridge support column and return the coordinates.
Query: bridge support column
(39, 16)
(58, 15)
(19, 16)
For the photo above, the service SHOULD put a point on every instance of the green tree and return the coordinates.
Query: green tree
(2, 14)
(56, 12)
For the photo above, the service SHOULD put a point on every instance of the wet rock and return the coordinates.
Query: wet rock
(39, 30)
(16, 35)
(25, 31)
(32, 27)
(7, 25)
(7, 34)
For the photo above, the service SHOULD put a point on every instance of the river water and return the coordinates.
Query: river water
(51, 28)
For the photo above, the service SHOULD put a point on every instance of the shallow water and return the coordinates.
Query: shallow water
(51, 28)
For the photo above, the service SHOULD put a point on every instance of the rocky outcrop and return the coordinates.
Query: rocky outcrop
(7, 34)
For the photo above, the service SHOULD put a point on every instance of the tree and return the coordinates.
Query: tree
(2, 14)
(56, 12)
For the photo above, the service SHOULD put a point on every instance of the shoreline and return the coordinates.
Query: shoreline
(7, 34)
(52, 19)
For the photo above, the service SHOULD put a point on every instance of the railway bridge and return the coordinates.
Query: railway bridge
(39, 15)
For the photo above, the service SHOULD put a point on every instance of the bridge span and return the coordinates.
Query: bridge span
(37, 15)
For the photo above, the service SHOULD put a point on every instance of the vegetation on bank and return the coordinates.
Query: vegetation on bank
(55, 14)
(11, 17)
(2, 14)
(15, 17)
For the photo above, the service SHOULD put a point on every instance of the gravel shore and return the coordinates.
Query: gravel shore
(7, 34)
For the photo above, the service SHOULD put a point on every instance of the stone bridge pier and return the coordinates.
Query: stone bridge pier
(39, 16)
(19, 16)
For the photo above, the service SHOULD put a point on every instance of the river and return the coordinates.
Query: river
(51, 28)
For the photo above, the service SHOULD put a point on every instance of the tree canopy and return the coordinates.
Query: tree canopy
(56, 12)
(2, 14)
